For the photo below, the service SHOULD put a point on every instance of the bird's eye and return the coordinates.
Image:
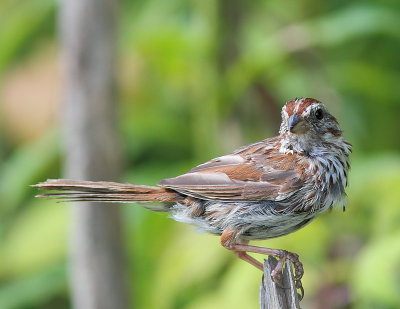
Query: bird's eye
(319, 114)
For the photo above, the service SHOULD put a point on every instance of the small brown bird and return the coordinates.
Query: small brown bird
(264, 190)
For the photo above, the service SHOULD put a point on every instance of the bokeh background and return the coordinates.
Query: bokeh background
(197, 79)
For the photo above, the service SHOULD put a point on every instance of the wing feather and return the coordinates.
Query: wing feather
(243, 176)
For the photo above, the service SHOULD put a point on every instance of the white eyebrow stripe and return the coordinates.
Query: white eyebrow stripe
(311, 107)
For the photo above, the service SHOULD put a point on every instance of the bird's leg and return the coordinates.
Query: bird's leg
(281, 254)
(240, 248)
(249, 259)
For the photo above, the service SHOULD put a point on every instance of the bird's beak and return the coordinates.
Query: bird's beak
(297, 124)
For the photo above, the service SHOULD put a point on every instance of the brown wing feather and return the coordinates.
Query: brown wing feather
(253, 173)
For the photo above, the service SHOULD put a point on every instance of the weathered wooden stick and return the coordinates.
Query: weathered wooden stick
(280, 295)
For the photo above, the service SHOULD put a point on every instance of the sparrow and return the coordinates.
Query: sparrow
(263, 190)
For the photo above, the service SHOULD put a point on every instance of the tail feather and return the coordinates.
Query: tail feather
(105, 191)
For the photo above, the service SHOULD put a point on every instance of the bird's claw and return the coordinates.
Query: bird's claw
(276, 274)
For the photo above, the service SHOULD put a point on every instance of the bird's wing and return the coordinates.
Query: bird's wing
(253, 173)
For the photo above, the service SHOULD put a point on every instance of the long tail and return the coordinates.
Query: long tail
(104, 191)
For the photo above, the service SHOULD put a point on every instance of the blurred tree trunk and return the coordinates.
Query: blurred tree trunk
(88, 36)
(232, 15)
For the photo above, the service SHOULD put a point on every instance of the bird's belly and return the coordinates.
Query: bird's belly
(253, 220)
(280, 227)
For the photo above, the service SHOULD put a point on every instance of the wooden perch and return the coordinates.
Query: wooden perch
(280, 295)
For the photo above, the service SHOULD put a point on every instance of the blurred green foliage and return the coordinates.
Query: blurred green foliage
(198, 79)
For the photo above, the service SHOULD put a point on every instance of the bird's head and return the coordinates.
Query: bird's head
(307, 123)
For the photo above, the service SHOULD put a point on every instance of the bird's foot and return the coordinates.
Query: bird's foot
(276, 273)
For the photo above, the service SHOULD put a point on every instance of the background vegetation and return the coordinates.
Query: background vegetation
(197, 79)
